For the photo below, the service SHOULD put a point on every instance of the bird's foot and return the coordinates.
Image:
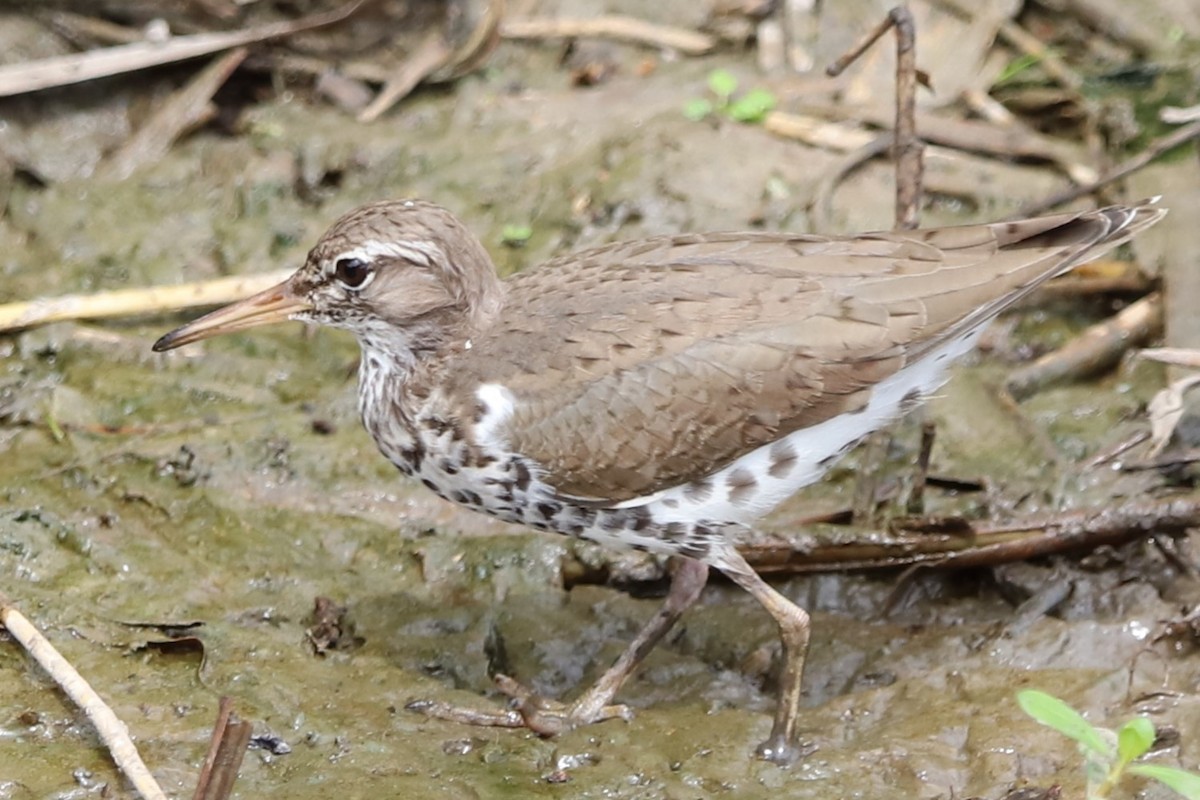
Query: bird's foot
(543, 716)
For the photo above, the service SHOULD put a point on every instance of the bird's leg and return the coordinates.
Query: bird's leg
(781, 746)
(549, 717)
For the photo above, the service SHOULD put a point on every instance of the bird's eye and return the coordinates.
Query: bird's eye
(353, 272)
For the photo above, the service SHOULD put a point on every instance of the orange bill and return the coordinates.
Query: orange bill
(273, 305)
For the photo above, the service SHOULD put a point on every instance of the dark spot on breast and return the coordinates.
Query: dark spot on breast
(548, 510)
(479, 412)
(436, 424)
(783, 459)
(476, 457)
(473, 498)
(611, 521)
(694, 549)
(430, 485)
(449, 467)
(670, 502)
(741, 483)
(639, 519)
(414, 455)
(698, 491)
(673, 530)
(459, 497)
(523, 475)
(911, 400)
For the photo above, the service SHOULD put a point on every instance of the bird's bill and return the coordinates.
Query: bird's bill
(273, 305)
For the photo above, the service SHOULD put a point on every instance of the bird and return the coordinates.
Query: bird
(660, 394)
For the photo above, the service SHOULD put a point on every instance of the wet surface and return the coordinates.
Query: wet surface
(230, 484)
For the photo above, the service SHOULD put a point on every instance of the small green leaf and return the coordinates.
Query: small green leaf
(1184, 782)
(515, 235)
(697, 109)
(722, 83)
(1054, 713)
(1134, 739)
(55, 429)
(753, 107)
(1017, 66)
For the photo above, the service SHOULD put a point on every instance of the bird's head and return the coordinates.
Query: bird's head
(396, 273)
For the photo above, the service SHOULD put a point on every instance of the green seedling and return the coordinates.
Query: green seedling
(751, 107)
(515, 235)
(1108, 755)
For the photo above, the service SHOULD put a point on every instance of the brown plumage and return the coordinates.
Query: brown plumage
(655, 393)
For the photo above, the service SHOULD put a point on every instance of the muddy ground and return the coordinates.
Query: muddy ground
(229, 484)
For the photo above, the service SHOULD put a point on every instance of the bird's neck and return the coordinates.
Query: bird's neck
(401, 365)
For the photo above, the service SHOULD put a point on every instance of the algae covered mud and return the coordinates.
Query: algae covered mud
(233, 486)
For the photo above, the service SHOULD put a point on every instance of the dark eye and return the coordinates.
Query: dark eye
(352, 271)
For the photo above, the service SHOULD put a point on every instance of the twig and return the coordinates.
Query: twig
(822, 202)
(431, 55)
(441, 55)
(186, 109)
(1156, 149)
(124, 302)
(908, 147)
(1177, 116)
(226, 749)
(1028, 44)
(1177, 356)
(982, 543)
(1007, 141)
(1097, 348)
(866, 486)
(110, 729)
(915, 504)
(817, 132)
(620, 28)
(33, 76)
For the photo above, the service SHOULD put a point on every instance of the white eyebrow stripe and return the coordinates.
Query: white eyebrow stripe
(417, 252)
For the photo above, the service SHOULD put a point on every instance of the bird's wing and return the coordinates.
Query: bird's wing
(638, 367)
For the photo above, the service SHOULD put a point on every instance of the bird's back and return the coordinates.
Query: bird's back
(641, 366)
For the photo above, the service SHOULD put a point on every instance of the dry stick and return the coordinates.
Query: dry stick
(431, 54)
(125, 302)
(226, 750)
(916, 497)
(907, 153)
(185, 110)
(622, 29)
(907, 147)
(1024, 41)
(83, 31)
(111, 730)
(1156, 148)
(1097, 348)
(974, 136)
(983, 543)
(1177, 356)
(439, 56)
(822, 202)
(25, 77)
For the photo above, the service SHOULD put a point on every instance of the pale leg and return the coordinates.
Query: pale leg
(781, 746)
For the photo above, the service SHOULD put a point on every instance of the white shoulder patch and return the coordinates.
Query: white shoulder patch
(499, 404)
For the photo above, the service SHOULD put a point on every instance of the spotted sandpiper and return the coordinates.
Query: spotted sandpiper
(660, 394)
